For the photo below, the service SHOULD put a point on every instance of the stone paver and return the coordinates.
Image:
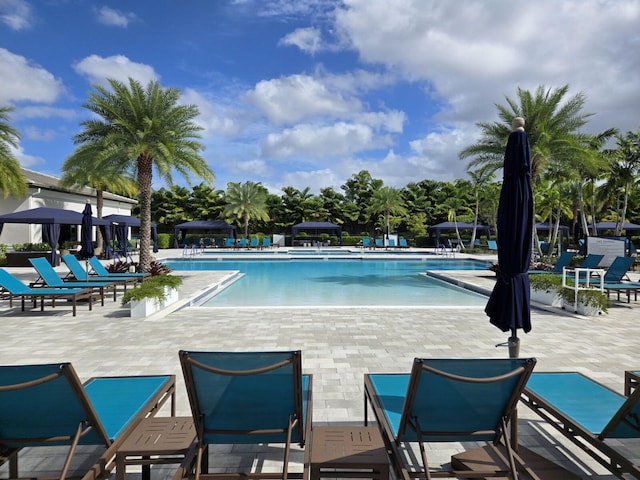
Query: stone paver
(339, 345)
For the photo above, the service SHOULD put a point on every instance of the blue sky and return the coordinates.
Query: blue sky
(305, 93)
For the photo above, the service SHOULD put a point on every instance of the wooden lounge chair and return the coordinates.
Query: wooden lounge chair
(248, 398)
(78, 272)
(12, 288)
(46, 405)
(589, 414)
(49, 277)
(448, 400)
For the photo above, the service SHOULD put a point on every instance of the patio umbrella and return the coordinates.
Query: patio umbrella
(86, 245)
(509, 307)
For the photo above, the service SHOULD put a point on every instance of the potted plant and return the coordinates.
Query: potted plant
(22, 252)
(546, 288)
(152, 295)
(590, 301)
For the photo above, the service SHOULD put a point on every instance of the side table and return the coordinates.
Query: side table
(348, 452)
(155, 441)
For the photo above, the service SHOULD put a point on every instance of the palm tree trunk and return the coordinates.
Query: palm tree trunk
(99, 206)
(145, 175)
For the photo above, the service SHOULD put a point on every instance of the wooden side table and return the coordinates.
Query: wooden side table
(348, 452)
(155, 441)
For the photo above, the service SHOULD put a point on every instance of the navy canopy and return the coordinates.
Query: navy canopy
(202, 225)
(446, 226)
(123, 223)
(50, 219)
(315, 227)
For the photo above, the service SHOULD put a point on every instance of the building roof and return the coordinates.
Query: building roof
(48, 182)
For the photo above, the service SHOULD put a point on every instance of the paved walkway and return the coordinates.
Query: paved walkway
(339, 345)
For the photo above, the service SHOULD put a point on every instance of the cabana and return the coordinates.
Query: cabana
(50, 219)
(451, 226)
(202, 225)
(122, 223)
(315, 227)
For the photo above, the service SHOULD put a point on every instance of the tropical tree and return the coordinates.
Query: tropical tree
(387, 200)
(245, 201)
(480, 179)
(140, 129)
(12, 181)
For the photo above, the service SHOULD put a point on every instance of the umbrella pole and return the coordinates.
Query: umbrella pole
(514, 344)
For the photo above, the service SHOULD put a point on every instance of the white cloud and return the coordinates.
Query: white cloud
(41, 111)
(26, 160)
(16, 14)
(24, 81)
(216, 119)
(293, 98)
(98, 69)
(115, 18)
(308, 40)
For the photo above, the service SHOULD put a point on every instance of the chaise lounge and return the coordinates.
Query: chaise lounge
(47, 405)
(589, 414)
(448, 400)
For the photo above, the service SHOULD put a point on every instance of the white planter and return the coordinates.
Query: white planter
(149, 306)
(582, 309)
(552, 298)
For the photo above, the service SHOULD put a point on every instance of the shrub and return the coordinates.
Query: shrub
(165, 240)
(152, 288)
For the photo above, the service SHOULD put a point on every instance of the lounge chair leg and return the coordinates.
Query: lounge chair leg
(423, 453)
(72, 449)
(285, 468)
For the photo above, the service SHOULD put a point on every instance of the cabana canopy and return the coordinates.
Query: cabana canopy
(202, 225)
(316, 227)
(447, 226)
(50, 219)
(122, 223)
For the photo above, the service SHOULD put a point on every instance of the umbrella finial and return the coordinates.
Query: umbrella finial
(517, 125)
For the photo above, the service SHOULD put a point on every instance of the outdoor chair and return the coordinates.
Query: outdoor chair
(242, 243)
(100, 270)
(80, 274)
(254, 243)
(248, 398)
(379, 243)
(492, 245)
(229, 242)
(13, 287)
(448, 400)
(266, 242)
(563, 261)
(589, 414)
(49, 277)
(403, 243)
(47, 405)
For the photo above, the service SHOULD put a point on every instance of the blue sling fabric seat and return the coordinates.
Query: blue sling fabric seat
(50, 278)
(81, 275)
(248, 398)
(12, 287)
(99, 270)
(44, 405)
(588, 413)
(448, 400)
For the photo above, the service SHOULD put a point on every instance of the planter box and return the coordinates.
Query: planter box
(582, 309)
(21, 259)
(149, 306)
(552, 298)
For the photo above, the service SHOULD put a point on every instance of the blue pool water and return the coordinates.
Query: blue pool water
(335, 282)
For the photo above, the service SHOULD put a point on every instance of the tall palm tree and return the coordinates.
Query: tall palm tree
(141, 129)
(552, 123)
(12, 181)
(480, 179)
(246, 201)
(387, 200)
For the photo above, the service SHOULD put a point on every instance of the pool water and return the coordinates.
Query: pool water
(334, 282)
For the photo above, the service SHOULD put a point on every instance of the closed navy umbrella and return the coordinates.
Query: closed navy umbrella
(86, 245)
(509, 306)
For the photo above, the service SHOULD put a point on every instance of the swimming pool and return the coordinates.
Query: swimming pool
(337, 282)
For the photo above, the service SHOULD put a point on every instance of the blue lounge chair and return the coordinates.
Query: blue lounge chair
(50, 278)
(447, 400)
(101, 271)
(248, 398)
(12, 288)
(589, 414)
(563, 261)
(266, 242)
(48, 405)
(229, 242)
(366, 242)
(403, 243)
(242, 243)
(392, 242)
(379, 243)
(254, 243)
(78, 272)
(493, 245)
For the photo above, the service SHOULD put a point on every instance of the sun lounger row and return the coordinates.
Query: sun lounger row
(264, 398)
(81, 284)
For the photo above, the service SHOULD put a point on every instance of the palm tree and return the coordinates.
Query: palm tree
(387, 200)
(82, 169)
(139, 129)
(552, 125)
(480, 179)
(12, 181)
(246, 201)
